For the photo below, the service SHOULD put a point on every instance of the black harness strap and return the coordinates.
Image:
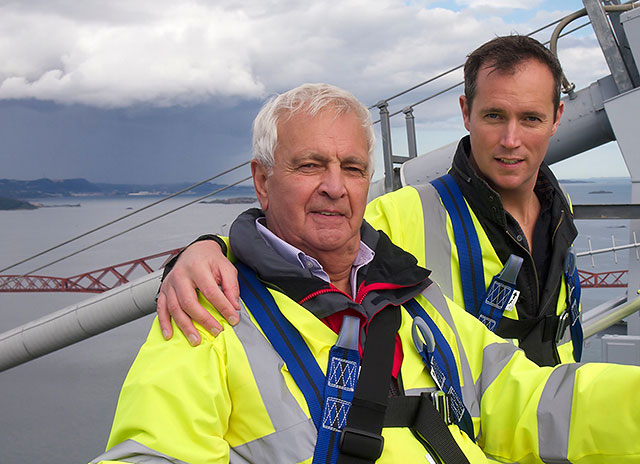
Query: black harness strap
(372, 409)
(419, 413)
(361, 440)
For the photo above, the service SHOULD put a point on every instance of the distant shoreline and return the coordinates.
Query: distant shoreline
(11, 204)
(231, 201)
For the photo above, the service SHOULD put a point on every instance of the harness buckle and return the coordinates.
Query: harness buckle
(440, 401)
(361, 444)
(563, 323)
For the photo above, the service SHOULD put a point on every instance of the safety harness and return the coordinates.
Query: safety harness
(501, 295)
(349, 411)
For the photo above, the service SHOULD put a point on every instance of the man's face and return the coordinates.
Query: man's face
(315, 197)
(510, 123)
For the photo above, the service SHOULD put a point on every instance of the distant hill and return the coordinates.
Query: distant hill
(12, 203)
(41, 188)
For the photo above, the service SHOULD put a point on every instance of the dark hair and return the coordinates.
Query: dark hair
(505, 54)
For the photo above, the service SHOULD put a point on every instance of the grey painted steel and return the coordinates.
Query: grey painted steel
(428, 166)
(620, 110)
(593, 314)
(630, 21)
(608, 44)
(387, 152)
(410, 121)
(621, 349)
(610, 318)
(79, 322)
(624, 47)
(584, 124)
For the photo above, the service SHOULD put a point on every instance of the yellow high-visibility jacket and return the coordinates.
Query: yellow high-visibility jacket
(231, 399)
(416, 220)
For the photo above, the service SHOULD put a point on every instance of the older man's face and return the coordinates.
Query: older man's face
(315, 197)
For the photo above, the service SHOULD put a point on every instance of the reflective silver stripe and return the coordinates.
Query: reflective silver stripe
(437, 247)
(131, 451)
(494, 359)
(292, 445)
(554, 414)
(295, 435)
(266, 365)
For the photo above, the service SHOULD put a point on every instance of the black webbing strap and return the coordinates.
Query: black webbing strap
(361, 440)
(419, 413)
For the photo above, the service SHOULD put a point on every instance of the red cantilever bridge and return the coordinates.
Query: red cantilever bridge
(97, 281)
(104, 279)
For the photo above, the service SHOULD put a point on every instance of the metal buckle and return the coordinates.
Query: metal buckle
(562, 325)
(361, 444)
(440, 401)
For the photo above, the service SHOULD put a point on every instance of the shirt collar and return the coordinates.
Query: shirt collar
(297, 257)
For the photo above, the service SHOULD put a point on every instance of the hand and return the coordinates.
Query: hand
(201, 266)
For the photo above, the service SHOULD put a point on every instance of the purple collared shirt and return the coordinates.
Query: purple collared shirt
(294, 256)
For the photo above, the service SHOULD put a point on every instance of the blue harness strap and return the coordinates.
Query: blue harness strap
(328, 397)
(438, 356)
(573, 303)
(467, 243)
(501, 294)
(488, 305)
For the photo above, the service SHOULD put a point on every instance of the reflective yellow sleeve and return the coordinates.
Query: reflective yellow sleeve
(579, 413)
(399, 215)
(175, 399)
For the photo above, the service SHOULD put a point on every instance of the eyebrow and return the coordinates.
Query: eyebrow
(492, 109)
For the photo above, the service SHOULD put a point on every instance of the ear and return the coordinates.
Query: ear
(465, 111)
(558, 116)
(260, 178)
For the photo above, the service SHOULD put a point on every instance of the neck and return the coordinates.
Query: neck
(525, 209)
(338, 267)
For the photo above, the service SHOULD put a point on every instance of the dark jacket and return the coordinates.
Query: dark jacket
(538, 300)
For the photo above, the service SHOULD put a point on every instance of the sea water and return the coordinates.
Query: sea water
(59, 408)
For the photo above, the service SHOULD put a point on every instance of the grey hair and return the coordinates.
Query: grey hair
(310, 98)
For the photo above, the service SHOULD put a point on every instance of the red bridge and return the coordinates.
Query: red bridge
(104, 279)
(97, 281)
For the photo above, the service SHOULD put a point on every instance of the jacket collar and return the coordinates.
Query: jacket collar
(392, 273)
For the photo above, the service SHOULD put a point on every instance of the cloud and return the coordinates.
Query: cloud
(163, 53)
(501, 4)
(183, 55)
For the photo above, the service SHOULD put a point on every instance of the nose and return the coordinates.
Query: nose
(332, 183)
(511, 135)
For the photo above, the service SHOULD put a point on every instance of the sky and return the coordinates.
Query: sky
(145, 91)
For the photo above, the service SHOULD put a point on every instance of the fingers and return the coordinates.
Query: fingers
(224, 296)
(187, 306)
(163, 316)
(176, 310)
(201, 266)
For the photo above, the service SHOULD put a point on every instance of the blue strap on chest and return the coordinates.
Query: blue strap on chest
(467, 243)
(501, 295)
(488, 305)
(573, 303)
(328, 397)
(438, 356)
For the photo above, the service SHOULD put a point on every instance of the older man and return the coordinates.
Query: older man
(516, 214)
(319, 287)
